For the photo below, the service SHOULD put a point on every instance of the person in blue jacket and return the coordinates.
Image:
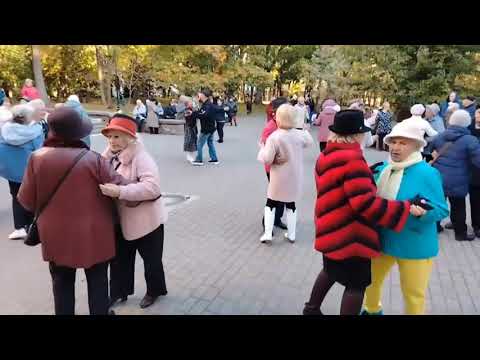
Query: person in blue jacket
(452, 98)
(456, 150)
(74, 102)
(19, 138)
(405, 176)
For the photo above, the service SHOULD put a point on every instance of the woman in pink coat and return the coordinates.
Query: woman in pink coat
(29, 91)
(142, 222)
(283, 150)
(324, 120)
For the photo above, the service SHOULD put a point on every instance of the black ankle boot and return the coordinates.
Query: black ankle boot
(311, 311)
(465, 237)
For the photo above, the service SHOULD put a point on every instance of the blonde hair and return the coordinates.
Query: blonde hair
(299, 118)
(285, 116)
(344, 139)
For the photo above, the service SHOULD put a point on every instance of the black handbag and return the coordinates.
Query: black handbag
(33, 238)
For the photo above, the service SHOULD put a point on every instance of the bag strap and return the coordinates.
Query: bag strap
(75, 161)
(442, 151)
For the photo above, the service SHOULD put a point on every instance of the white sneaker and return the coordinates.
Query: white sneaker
(18, 234)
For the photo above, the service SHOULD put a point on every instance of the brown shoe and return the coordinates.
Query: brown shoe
(147, 301)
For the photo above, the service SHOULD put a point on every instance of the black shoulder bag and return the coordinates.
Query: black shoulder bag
(33, 238)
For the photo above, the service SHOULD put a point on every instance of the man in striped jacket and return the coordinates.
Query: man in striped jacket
(347, 212)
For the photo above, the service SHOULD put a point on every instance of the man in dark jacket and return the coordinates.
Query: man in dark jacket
(206, 114)
(470, 105)
(220, 116)
(232, 111)
(453, 161)
(474, 188)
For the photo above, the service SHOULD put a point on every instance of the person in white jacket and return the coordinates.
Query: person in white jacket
(417, 120)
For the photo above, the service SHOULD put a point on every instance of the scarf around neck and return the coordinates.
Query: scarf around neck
(390, 179)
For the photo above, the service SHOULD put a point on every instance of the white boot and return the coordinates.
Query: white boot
(291, 225)
(269, 220)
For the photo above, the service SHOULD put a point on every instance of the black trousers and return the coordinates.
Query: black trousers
(323, 145)
(63, 280)
(280, 207)
(153, 130)
(122, 268)
(220, 130)
(381, 145)
(458, 214)
(21, 217)
(475, 205)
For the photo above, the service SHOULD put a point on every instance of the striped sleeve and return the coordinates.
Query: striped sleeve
(361, 195)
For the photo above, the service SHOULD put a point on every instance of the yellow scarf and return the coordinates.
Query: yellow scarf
(390, 179)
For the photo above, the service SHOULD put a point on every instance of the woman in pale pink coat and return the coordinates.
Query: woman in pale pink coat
(142, 222)
(283, 150)
(324, 120)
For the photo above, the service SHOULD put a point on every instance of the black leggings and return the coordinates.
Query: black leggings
(275, 204)
(22, 218)
(220, 130)
(153, 130)
(382, 146)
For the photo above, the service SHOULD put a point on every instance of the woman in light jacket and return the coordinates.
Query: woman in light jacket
(152, 117)
(142, 224)
(324, 120)
(20, 137)
(283, 150)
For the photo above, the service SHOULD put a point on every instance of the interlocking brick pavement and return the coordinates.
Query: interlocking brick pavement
(213, 259)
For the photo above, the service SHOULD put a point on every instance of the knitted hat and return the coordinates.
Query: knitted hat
(66, 123)
(460, 118)
(417, 109)
(123, 123)
(407, 130)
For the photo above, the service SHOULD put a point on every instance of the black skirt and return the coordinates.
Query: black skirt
(353, 273)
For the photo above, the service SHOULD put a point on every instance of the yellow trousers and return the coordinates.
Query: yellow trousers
(414, 277)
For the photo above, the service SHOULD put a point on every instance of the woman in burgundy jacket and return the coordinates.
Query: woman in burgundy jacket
(77, 227)
(347, 211)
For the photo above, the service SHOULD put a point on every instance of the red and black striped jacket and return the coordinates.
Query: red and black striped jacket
(347, 209)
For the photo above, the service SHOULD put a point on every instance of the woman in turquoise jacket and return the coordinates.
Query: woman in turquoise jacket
(405, 176)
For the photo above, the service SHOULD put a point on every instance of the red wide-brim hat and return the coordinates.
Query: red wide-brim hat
(122, 123)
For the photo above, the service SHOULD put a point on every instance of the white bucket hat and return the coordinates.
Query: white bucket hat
(407, 130)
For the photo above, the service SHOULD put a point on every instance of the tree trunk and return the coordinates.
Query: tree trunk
(100, 69)
(38, 73)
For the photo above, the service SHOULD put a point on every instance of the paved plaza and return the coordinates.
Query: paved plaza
(214, 261)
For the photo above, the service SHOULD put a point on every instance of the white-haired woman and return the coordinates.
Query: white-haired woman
(141, 225)
(19, 139)
(29, 92)
(283, 150)
(140, 114)
(40, 114)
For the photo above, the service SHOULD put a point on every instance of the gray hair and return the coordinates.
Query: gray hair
(22, 113)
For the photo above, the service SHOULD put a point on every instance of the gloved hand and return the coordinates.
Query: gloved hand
(422, 202)
(374, 167)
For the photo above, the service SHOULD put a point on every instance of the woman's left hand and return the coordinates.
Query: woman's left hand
(110, 190)
(417, 210)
